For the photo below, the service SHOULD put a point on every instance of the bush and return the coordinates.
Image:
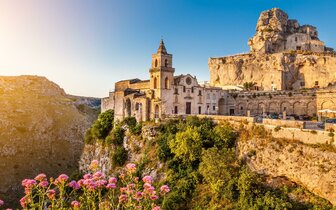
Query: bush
(103, 125)
(118, 135)
(119, 156)
(88, 139)
(277, 128)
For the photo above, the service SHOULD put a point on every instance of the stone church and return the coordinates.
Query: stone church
(291, 68)
(164, 94)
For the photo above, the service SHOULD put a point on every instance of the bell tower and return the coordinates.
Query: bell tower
(162, 76)
(161, 72)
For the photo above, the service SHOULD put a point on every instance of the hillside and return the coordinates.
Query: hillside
(208, 165)
(41, 130)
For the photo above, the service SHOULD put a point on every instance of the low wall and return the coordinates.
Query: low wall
(303, 135)
(218, 118)
(284, 123)
(330, 127)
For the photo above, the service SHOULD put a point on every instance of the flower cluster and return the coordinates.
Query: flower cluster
(93, 191)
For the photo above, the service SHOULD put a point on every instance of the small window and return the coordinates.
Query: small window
(184, 89)
(199, 92)
(166, 63)
(214, 108)
(298, 47)
(175, 110)
(156, 63)
(302, 84)
(296, 39)
(176, 91)
(167, 85)
(188, 81)
(199, 110)
(192, 89)
(155, 83)
(241, 108)
(316, 83)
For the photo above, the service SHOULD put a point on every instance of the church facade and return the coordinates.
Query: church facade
(165, 94)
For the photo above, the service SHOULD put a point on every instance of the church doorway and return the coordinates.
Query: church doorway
(188, 108)
(221, 106)
(156, 112)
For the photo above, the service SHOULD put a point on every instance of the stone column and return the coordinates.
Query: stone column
(284, 115)
(248, 113)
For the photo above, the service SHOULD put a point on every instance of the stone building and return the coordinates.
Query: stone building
(283, 56)
(164, 94)
(293, 72)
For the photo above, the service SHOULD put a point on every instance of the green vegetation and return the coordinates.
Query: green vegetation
(101, 127)
(205, 173)
(200, 164)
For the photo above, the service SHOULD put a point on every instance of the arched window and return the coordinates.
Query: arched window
(167, 85)
(156, 63)
(155, 83)
(166, 63)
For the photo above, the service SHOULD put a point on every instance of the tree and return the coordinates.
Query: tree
(187, 145)
(103, 125)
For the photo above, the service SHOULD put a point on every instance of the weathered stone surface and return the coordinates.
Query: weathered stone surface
(41, 130)
(310, 167)
(284, 56)
(280, 71)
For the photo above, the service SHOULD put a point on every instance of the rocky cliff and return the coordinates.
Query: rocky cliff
(283, 56)
(41, 130)
(313, 167)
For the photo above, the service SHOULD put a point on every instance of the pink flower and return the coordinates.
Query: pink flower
(164, 189)
(2, 202)
(138, 196)
(61, 179)
(131, 167)
(81, 182)
(28, 183)
(122, 198)
(136, 179)
(43, 184)
(147, 179)
(74, 185)
(154, 197)
(147, 185)
(123, 189)
(156, 208)
(113, 180)
(121, 176)
(111, 186)
(98, 175)
(75, 204)
(51, 194)
(87, 176)
(24, 201)
(101, 183)
(41, 177)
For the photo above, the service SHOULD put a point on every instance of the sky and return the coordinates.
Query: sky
(85, 46)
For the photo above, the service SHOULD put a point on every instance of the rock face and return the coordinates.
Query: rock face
(41, 130)
(313, 168)
(284, 56)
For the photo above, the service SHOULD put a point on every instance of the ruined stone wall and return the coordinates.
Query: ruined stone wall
(281, 71)
(299, 103)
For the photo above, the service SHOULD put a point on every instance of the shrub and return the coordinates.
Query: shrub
(88, 139)
(331, 134)
(313, 131)
(103, 125)
(119, 156)
(118, 134)
(277, 128)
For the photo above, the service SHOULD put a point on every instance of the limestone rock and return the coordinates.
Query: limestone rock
(313, 168)
(41, 130)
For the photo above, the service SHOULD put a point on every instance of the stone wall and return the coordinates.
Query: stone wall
(284, 123)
